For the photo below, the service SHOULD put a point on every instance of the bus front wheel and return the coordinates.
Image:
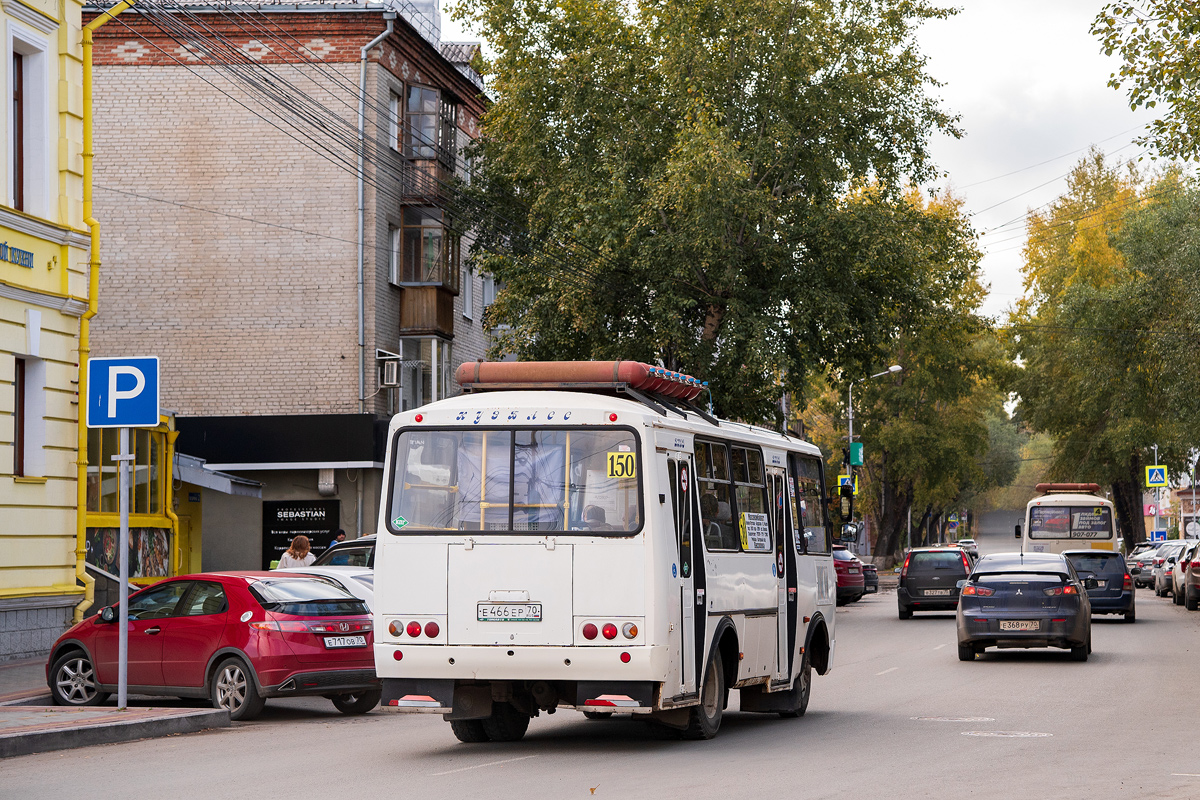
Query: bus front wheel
(704, 720)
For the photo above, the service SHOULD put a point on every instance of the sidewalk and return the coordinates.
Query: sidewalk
(30, 723)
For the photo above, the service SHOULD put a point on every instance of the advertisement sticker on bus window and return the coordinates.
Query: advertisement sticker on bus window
(399, 522)
(622, 465)
(756, 532)
(791, 486)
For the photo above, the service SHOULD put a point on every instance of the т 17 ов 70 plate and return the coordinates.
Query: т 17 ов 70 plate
(345, 641)
(509, 612)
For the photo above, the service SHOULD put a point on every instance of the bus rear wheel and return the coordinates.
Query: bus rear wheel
(469, 731)
(704, 720)
(506, 724)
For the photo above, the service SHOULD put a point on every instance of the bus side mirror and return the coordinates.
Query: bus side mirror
(1018, 530)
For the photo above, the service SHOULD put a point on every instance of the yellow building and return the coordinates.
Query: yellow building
(44, 284)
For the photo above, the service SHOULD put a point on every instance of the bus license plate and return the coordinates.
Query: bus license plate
(345, 641)
(509, 612)
(1020, 625)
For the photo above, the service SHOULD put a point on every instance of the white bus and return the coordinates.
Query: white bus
(581, 536)
(1067, 516)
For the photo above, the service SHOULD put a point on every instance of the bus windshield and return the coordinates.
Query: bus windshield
(1070, 522)
(516, 480)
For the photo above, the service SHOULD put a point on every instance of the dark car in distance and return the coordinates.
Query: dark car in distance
(870, 578)
(358, 552)
(929, 579)
(1114, 592)
(1025, 600)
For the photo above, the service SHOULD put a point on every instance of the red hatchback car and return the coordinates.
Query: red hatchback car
(851, 584)
(236, 638)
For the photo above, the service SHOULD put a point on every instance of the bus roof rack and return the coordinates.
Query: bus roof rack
(655, 387)
(1067, 488)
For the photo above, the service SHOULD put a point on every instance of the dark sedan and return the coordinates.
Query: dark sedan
(1114, 592)
(870, 578)
(1025, 600)
(929, 580)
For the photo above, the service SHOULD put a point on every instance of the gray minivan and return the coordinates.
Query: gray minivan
(929, 579)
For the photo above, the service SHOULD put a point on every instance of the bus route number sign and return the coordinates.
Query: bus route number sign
(622, 465)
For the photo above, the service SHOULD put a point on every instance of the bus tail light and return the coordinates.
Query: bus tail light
(609, 630)
(625, 658)
(629, 630)
(396, 628)
(432, 630)
(589, 631)
(414, 629)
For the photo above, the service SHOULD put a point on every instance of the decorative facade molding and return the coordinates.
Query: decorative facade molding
(43, 230)
(31, 17)
(66, 305)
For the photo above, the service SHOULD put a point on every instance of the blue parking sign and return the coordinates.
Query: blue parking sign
(122, 392)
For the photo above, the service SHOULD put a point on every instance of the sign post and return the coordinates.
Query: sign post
(123, 393)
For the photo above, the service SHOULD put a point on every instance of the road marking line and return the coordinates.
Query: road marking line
(939, 647)
(886, 671)
(1185, 775)
(481, 766)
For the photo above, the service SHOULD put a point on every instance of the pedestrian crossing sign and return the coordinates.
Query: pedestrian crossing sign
(844, 480)
(1156, 476)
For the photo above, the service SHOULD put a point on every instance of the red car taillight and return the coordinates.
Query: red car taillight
(980, 591)
(321, 626)
(904, 569)
(966, 563)
(1158, 562)
(1129, 580)
(1054, 591)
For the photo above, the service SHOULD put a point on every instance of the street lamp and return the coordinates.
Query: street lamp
(849, 509)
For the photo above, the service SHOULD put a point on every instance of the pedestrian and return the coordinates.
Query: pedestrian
(298, 555)
(341, 537)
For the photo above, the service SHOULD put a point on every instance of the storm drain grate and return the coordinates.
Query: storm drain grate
(955, 719)
(1008, 734)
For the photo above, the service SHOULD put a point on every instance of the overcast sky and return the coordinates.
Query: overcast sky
(1030, 85)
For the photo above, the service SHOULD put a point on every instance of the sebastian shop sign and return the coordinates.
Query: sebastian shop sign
(285, 519)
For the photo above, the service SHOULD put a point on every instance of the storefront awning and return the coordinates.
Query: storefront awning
(190, 469)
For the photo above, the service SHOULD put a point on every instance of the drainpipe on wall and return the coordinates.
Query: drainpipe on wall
(89, 583)
(169, 506)
(390, 16)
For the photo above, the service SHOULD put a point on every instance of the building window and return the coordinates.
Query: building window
(18, 131)
(448, 135)
(20, 422)
(429, 252)
(29, 145)
(424, 371)
(146, 488)
(29, 412)
(394, 110)
(468, 292)
(489, 291)
(421, 122)
(393, 254)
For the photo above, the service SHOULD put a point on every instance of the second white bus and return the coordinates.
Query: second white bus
(1067, 516)
(562, 537)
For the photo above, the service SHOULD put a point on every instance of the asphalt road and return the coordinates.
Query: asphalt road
(899, 716)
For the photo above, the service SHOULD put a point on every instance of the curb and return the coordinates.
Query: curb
(124, 727)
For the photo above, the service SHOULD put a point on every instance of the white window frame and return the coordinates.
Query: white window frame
(468, 292)
(40, 136)
(394, 254)
(489, 291)
(395, 106)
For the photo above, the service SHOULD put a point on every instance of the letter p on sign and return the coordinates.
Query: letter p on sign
(122, 392)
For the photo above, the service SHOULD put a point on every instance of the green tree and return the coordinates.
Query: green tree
(1157, 41)
(676, 182)
(1093, 367)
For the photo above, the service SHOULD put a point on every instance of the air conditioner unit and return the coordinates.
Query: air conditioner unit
(391, 374)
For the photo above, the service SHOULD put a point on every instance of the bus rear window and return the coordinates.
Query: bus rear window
(522, 480)
(1070, 522)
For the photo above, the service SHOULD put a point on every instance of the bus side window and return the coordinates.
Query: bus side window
(806, 472)
(751, 497)
(716, 510)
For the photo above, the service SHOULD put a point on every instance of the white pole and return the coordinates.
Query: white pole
(1157, 496)
(123, 616)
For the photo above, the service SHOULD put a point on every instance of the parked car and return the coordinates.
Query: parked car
(1025, 600)
(1144, 562)
(358, 581)
(1164, 560)
(1191, 583)
(970, 546)
(870, 577)
(1142, 547)
(234, 638)
(850, 581)
(1113, 592)
(1180, 570)
(929, 578)
(358, 552)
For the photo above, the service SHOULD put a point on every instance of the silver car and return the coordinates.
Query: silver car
(1164, 562)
